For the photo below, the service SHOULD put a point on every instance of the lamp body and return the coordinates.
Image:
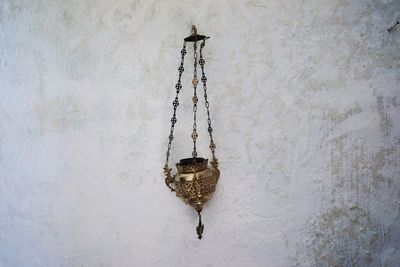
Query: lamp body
(195, 181)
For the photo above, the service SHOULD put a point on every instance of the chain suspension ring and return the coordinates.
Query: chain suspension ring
(175, 103)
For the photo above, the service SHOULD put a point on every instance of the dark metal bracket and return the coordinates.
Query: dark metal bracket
(194, 37)
(393, 26)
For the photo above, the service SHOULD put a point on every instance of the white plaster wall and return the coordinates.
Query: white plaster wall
(306, 102)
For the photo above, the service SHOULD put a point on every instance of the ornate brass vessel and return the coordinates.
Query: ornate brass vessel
(195, 180)
(194, 183)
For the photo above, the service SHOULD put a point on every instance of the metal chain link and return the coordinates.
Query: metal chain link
(207, 104)
(195, 81)
(175, 103)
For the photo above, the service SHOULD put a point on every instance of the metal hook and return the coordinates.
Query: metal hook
(194, 30)
(393, 26)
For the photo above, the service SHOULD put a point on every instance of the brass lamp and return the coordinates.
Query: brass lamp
(195, 180)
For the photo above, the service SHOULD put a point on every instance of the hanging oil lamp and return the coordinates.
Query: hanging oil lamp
(195, 180)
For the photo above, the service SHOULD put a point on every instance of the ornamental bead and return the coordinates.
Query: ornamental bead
(195, 81)
(194, 135)
(212, 147)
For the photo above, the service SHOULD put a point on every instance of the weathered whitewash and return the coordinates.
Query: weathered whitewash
(305, 100)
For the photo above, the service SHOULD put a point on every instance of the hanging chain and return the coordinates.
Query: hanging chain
(175, 103)
(195, 100)
(207, 104)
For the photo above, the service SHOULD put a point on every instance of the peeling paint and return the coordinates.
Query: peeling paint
(343, 237)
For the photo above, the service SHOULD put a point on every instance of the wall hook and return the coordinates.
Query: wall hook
(393, 26)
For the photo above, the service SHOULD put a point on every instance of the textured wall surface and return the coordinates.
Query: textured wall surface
(305, 96)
